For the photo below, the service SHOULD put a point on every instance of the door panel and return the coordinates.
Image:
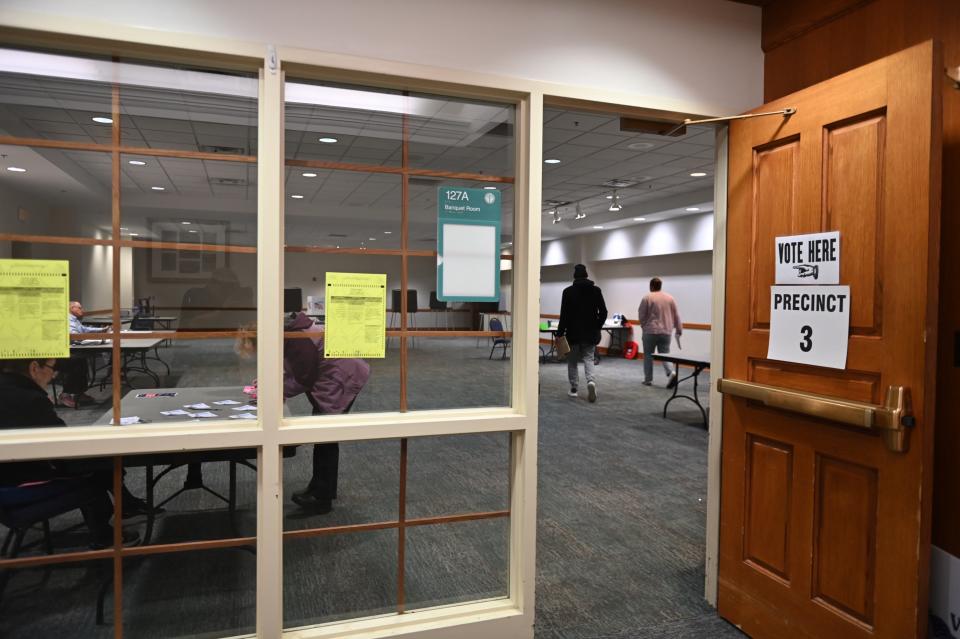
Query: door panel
(824, 531)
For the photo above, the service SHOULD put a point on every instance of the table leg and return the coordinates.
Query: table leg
(697, 369)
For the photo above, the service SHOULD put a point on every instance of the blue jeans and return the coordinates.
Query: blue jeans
(660, 343)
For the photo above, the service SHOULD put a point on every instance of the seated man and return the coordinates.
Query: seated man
(75, 369)
(23, 404)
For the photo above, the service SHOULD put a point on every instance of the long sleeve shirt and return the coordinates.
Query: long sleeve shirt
(77, 326)
(658, 314)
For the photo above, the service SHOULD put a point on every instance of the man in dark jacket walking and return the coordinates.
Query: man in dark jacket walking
(582, 314)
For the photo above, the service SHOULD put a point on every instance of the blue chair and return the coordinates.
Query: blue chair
(496, 325)
(23, 508)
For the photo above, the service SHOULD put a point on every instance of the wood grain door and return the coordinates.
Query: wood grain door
(825, 532)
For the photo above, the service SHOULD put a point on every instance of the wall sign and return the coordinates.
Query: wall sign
(809, 325)
(808, 259)
(468, 245)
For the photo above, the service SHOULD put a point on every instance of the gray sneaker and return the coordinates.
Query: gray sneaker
(592, 391)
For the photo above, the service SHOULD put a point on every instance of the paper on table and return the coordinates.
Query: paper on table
(33, 309)
(244, 407)
(205, 413)
(226, 402)
(199, 406)
(244, 416)
(126, 421)
(356, 315)
(178, 411)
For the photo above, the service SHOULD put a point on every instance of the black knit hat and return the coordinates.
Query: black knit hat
(579, 272)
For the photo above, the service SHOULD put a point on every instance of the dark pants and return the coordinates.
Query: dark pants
(73, 372)
(326, 466)
(96, 510)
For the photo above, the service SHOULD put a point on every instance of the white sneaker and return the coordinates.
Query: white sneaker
(592, 391)
(572, 392)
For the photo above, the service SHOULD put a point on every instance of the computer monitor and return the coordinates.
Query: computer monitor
(292, 300)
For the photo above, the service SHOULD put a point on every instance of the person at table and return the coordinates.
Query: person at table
(24, 403)
(659, 319)
(74, 370)
(331, 386)
(582, 314)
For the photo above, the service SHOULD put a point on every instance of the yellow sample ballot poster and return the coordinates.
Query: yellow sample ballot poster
(33, 309)
(356, 322)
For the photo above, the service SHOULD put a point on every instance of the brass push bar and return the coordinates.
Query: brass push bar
(892, 420)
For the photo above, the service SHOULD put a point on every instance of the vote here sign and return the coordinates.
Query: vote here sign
(808, 259)
(809, 325)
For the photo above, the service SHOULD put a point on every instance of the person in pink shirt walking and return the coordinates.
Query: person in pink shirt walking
(659, 319)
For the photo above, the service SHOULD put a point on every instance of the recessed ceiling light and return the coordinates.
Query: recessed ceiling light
(551, 161)
(102, 120)
(640, 146)
(387, 232)
(158, 188)
(194, 231)
(297, 197)
(610, 197)
(123, 228)
(372, 239)
(327, 140)
(137, 163)
(639, 219)
(185, 222)
(133, 234)
(692, 208)
(597, 226)
(16, 169)
(698, 174)
(308, 174)
(489, 188)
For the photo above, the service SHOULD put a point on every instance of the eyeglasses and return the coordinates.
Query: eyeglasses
(52, 367)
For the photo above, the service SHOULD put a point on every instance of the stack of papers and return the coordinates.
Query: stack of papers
(244, 416)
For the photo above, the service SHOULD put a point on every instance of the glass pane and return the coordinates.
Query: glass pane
(462, 136)
(458, 474)
(344, 124)
(340, 484)
(192, 496)
(190, 594)
(458, 372)
(373, 382)
(163, 109)
(177, 200)
(168, 288)
(41, 105)
(341, 576)
(423, 211)
(456, 563)
(63, 193)
(54, 601)
(342, 209)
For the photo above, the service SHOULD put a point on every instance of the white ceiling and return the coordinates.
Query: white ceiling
(446, 135)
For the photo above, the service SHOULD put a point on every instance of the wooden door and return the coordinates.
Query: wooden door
(825, 532)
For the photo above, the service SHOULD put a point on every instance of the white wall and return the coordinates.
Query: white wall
(622, 261)
(704, 54)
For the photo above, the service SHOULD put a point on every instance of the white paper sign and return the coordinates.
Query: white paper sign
(809, 325)
(808, 259)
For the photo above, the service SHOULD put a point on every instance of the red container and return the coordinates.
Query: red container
(630, 350)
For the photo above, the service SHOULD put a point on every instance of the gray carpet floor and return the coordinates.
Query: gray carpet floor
(621, 516)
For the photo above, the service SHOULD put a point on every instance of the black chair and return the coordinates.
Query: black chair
(496, 325)
(21, 518)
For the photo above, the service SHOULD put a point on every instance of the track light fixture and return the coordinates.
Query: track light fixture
(556, 216)
(580, 214)
(615, 202)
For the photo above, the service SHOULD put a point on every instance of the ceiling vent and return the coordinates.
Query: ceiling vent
(215, 148)
(619, 183)
(228, 181)
(337, 235)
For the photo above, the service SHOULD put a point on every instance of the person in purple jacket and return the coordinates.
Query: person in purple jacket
(331, 386)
